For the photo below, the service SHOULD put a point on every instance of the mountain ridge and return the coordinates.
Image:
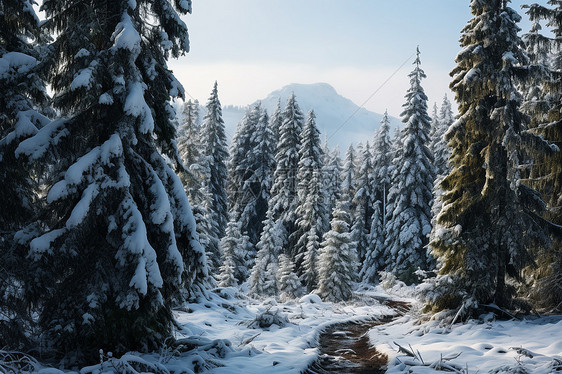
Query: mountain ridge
(338, 118)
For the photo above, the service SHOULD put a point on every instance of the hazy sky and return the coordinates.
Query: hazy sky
(252, 47)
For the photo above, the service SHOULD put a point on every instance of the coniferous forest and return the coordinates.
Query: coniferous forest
(124, 217)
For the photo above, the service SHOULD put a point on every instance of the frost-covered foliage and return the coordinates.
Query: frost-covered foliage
(409, 221)
(287, 280)
(311, 204)
(213, 140)
(116, 244)
(251, 167)
(337, 265)
(487, 220)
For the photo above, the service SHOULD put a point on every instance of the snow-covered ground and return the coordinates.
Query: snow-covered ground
(230, 333)
(529, 346)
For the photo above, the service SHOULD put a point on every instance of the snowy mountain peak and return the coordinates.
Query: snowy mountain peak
(338, 118)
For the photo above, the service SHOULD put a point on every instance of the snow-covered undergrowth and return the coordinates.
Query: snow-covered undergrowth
(533, 345)
(230, 333)
(267, 336)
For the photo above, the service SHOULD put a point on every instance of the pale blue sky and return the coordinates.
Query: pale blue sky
(253, 47)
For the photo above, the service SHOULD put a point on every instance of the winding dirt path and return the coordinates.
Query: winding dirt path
(344, 347)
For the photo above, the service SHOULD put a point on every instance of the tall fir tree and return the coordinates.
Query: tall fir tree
(288, 281)
(190, 150)
(374, 258)
(410, 219)
(235, 247)
(311, 204)
(251, 171)
(337, 264)
(364, 202)
(284, 199)
(488, 218)
(22, 92)
(382, 161)
(543, 96)
(331, 174)
(117, 243)
(439, 126)
(263, 279)
(213, 139)
(348, 176)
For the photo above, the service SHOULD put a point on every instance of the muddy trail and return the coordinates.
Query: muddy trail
(344, 347)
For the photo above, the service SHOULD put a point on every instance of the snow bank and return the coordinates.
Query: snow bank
(483, 346)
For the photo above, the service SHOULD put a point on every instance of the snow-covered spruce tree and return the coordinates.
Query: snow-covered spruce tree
(438, 145)
(22, 90)
(190, 147)
(213, 139)
(251, 171)
(276, 120)
(288, 281)
(488, 219)
(364, 202)
(260, 182)
(374, 257)
(311, 204)
(234, 248)
(382, 161)
(263, 279)
(331, 174)
(284, 199)
(410, 220)
(543, 98)
(348, 176)
(117, 243)
(337, 264)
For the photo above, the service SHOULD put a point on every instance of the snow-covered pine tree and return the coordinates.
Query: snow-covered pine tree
(284, 199)
(233, 247)
(364, 202)
(117, 243)
(487, 217)
(260, 182)
(288, 281)
(348, 176)
(410, 219)
(543, 96)
(263, 279)
(190, 147)
(439, 127)
(251, 171)
(276, 120)
(331, 173)
(374, 257)
(22, 90)
(311, 204)
(213, 139)
(337, 264)
(239, 167)
(382, 161)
